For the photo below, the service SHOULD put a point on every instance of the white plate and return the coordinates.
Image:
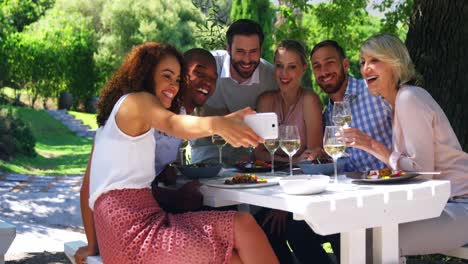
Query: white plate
(304, 184)
(219, 183)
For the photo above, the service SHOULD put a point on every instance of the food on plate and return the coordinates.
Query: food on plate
(244, 178)
(255, 164)
(385, 173)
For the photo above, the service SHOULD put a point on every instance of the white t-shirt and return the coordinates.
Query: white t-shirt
(229, 97)
(120, 161)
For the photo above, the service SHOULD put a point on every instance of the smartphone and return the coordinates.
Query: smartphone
(264, 124)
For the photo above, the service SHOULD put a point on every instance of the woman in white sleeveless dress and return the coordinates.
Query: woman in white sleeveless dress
(122, 220)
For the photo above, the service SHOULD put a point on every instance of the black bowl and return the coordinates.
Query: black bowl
(199, 170)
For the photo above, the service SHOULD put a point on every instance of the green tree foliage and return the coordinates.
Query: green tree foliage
(79, 44)
(211, 32)
(14, 16)
(263, 13)
(126, 23)
(20, 13)
(397, 16)
(54, 54)
(15, 137)
(289, 23)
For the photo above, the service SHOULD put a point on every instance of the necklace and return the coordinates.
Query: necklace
(287, 111)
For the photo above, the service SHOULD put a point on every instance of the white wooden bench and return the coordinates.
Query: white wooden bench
(7, 235)
(71, 247)
(459, 252)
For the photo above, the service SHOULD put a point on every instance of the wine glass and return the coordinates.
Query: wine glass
(182, 148)
(341, 114)
(220, 143)
(290, 142)
(272, 145)
(334, 145)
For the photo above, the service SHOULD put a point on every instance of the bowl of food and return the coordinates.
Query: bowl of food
(259, 166)
(304, 184)
(200, 170)
(321, 166)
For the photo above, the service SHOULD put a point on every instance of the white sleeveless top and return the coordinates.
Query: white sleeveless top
(120, 161)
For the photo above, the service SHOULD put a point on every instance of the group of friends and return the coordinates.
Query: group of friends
(159, 97)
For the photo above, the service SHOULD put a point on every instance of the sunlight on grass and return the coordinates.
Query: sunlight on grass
(9, 92)
(59, 151)
(327, 247)
(88, 119)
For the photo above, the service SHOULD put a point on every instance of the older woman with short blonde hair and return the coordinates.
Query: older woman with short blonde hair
(423, 140)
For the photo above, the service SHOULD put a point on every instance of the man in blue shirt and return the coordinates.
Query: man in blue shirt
(370, 113)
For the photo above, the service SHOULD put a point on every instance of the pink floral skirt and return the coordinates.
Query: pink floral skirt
(132, 228)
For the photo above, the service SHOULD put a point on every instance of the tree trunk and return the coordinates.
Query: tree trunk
(437, 41)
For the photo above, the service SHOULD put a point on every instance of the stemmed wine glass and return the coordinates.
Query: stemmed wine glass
(272, 145)
(290, 142)
(220, 143)
(182, 148)
(341, 114)
(334, 145)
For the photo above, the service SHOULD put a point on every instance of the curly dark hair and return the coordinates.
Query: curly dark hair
(137, 75)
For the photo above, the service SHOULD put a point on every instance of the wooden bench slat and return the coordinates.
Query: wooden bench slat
(70, 249)
(459, 252)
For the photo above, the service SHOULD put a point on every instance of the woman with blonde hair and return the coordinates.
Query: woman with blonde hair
(423, 140)
(294, 105)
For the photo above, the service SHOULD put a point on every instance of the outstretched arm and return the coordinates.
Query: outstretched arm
(88, 222)
(141, 111)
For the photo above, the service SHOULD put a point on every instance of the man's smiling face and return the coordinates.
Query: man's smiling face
(329, 69)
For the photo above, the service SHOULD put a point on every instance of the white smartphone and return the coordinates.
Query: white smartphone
(264, 124)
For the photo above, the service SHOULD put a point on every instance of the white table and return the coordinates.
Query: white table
(349, 212)
(7, 235)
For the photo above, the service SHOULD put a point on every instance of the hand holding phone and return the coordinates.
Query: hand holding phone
(264, 124)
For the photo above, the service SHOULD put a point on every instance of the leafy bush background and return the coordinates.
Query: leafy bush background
(15, 137)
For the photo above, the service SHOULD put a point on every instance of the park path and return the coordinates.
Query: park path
(44, 209)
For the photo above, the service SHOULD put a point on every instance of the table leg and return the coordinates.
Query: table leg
(385, 244)
(353, 247)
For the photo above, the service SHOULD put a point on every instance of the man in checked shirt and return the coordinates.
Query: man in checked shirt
(371, 114)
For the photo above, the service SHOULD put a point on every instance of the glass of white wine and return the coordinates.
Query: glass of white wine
(182, 148)
(272, 145)
(334, 145)
(290, 142)
(341, 114)
(220, 143)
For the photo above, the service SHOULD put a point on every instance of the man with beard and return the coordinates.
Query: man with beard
(369, 113)
(201, 77)
(243, 76)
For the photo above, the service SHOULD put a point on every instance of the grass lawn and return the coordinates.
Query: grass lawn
(60, 152)
(88, 119)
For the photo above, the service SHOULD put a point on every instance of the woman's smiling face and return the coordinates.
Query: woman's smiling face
(288, 69)
(379, 75)
(167, 80)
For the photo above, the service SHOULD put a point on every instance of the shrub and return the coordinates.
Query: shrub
(15, 137)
